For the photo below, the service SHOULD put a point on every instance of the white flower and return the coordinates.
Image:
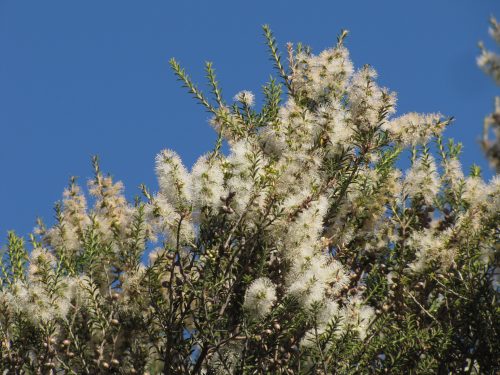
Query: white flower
(431, 246)
(453, 171)
(307, 226)
(489, 62)
(245, 97)
(327, 313)
(422, 180)
(173, 178)
(40, 261)
(260, 297)
(207, 179)
(366, 99)
(414, 128)
(475, 191)
(333, 119)
(307, 288)
(325, 76)
(164, 219)
(245, 167)
(357, 316)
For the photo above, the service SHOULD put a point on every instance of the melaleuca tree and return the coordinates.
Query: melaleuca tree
(304, 249)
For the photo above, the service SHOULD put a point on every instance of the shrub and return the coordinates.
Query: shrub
(302, 250)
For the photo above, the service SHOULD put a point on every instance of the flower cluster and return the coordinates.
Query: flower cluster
(489, 61)
(303, 249)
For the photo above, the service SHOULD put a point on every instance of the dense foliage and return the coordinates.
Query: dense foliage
(304, 249)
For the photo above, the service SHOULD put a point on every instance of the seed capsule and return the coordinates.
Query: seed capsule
(227, 210)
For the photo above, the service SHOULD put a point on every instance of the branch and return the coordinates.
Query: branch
(182, 76)
(276, 57)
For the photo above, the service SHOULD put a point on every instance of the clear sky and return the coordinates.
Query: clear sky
(79, 78)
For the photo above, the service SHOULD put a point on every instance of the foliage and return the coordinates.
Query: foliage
(304, 250)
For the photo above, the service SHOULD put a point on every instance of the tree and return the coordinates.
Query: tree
(303, 250)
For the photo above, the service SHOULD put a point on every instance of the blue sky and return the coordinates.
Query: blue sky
(79, 78)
